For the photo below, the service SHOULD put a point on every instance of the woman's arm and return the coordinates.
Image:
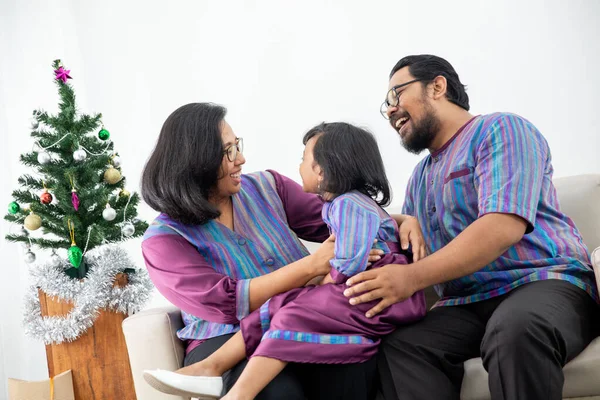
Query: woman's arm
(184, 277)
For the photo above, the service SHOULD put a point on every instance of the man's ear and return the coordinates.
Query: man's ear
(440, 87)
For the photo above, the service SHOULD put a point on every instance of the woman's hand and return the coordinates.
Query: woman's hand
(326, 252)
(410, 232)
(323, 255)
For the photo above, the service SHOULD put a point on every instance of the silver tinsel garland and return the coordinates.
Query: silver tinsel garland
(89, 296)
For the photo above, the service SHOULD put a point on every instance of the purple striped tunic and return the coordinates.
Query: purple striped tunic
(498, 163)
(205, 270)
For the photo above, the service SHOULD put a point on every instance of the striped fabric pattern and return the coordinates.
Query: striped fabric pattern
(316, 338)
(498, 163)
(356, 220)
(262, 242)
(265, 317)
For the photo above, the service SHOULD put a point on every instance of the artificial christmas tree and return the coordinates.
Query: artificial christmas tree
(75, 204)
(78, 179)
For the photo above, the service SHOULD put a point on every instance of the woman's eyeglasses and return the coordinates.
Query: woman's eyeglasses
(233, 150)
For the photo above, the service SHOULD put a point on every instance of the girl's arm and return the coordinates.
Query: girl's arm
(355, 224)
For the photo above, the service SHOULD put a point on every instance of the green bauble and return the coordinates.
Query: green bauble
(75, 256)
(13, 207)
(103, 134)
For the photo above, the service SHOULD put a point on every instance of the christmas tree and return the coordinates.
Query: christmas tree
(76, 198)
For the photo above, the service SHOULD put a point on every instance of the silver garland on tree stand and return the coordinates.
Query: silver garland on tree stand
(89, 296)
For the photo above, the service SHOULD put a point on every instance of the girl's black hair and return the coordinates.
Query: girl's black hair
(185, 165)
(350, 160)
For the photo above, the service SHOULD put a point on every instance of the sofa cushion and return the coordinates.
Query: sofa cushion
(582, 376)
(152, 343)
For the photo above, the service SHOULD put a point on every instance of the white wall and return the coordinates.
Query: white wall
(281, 67)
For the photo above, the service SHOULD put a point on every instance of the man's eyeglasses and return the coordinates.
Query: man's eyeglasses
(233, 150)
(393, 97)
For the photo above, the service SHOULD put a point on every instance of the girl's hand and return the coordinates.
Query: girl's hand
(410, 232)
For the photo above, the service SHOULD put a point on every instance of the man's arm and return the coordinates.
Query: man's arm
(481, 243)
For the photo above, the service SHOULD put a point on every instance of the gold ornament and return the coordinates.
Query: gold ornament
(33, 222)
(112, 175)
(124, 193)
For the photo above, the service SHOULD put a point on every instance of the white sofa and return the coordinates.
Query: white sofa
(152, 343)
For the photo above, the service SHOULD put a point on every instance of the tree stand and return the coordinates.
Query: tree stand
(98, 359)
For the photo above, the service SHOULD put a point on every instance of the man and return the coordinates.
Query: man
(514, 277)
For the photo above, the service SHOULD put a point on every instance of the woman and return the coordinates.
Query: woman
(226, 243)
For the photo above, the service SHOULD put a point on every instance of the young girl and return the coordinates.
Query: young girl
(316, 324)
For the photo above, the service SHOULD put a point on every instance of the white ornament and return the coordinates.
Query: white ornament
(34, 123)
(79, 155)
(116, 161)
(55, 260)
(109, 213)
(128, 229)
(29, 257)
(43, 158)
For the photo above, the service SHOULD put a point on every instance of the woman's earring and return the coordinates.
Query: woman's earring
(319, 185)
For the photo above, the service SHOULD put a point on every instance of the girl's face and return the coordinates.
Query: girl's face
(310, 172)
(230, 180)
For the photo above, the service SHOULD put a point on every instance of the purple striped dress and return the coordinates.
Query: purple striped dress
(317, 324)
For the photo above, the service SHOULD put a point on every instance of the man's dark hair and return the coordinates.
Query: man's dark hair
(185, 165)
(350, 160)
(427, 67)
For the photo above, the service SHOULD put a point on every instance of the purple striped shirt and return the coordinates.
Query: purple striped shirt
(356, 220)
(498, 163)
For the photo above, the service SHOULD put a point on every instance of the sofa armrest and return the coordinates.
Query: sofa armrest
(152, 343)
(596, 265)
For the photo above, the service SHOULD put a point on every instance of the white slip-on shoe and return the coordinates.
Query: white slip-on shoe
(201, 387)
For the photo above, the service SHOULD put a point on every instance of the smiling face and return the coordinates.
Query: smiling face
(310, 172)
(230, 178)
(413, 116)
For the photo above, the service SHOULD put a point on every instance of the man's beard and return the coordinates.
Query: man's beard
(423, 132)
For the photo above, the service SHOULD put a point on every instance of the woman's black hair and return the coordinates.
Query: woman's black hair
(185, 165)
(350, 160)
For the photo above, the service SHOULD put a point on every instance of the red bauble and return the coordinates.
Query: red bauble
(46, 198)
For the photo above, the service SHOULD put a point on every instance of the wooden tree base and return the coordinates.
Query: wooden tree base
(98, 359)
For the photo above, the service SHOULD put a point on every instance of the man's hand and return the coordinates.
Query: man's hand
(410, 232)
(391, 283)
